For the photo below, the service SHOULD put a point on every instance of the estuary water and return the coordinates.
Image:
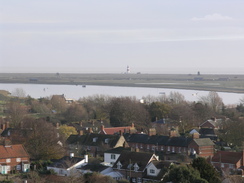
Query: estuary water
(78, 91)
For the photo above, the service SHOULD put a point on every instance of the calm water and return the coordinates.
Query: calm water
(76, 92)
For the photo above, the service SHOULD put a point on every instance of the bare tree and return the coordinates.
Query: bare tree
(213, 100)
(19, 92)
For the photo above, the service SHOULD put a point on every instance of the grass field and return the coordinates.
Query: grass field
(224, 83)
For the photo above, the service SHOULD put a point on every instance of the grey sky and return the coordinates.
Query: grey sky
(87, 36)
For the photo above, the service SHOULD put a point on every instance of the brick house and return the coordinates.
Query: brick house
(159, 143)
(203, 147)
(228, 161)
(13, 158)
(95, 144)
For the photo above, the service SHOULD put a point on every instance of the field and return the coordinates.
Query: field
(224, 83)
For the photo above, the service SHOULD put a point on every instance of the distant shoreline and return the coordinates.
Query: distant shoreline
(218, 83)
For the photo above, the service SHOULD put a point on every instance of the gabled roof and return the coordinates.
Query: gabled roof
(210, 122)
(93, 139)
(66, 162)
(162, 166)
(227, 157)
(203, 142)
(117, 150)
(94, 167)
(193, 131)
(12, 151)
(128, 158)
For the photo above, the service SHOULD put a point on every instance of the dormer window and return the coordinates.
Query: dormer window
(95, 139)
(136, 167)
(106, 141)
(119, 165)
(152, 171)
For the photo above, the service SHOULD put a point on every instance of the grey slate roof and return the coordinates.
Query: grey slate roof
(204, 142)
(180, 141)
(127, 157)
(88, 140)
(66, 162)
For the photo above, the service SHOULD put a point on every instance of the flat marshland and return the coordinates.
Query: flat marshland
(221, 83)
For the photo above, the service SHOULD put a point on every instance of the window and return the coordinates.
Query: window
(136, 167)
(141, 146)
(119, 165)
(147, 146)
(152, 171)
(139, 180)
(222, 165)
(162, 148)
(153, 147)
(113, 156)
(168, 148)
(173, 149)
(8, 160)
(94, 139)
(106, 141)
(18, 159)
(231, 166)
(179, 149)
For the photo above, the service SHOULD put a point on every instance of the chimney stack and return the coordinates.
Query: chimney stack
(81, 132)
(102, 127)
(195, 135)
(152, 131)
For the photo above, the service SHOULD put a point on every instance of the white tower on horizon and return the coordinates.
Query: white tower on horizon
(128, 69)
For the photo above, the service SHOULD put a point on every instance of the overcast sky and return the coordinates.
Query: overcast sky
(104, 36)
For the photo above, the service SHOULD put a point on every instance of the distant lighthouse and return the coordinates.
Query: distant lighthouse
(128, 69)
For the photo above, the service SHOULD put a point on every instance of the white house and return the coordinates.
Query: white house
(68, 165)
(155, 170)
(111, 156)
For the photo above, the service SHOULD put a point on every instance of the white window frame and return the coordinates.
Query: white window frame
(113, 156)
(152, 171)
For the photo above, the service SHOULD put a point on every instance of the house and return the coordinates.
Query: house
(155, 170)
(133, 165)
(159, 143)
(203, 147)
(102, 169)
(228, 161)
(208, 133)
(95, 144)
(111, 155)
(117, 130)
(68, 165)
(212, 123)
(13, 158)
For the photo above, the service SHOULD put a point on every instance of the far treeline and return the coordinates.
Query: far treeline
(43, 114)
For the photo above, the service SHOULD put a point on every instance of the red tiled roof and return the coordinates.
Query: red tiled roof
(111, 131)
(12, 151)
(227, 157)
